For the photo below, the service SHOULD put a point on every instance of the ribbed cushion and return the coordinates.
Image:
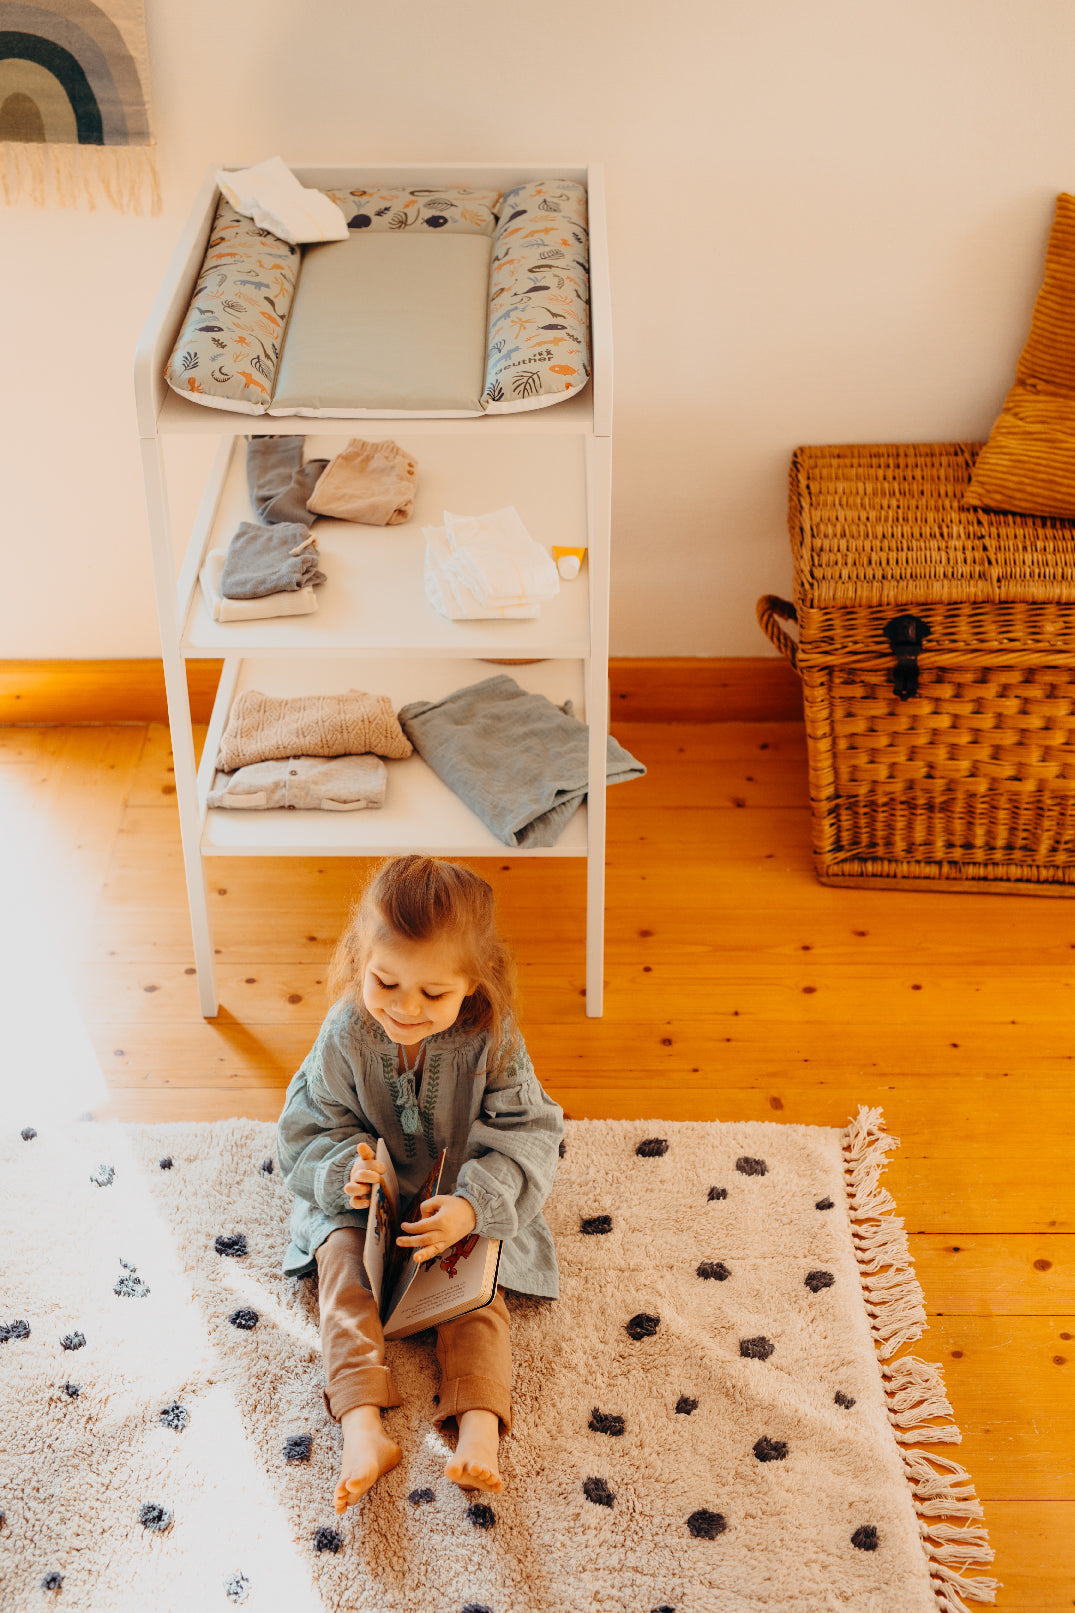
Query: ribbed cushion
(1028, 464)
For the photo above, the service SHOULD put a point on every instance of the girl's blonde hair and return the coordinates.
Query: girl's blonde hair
(425, 899)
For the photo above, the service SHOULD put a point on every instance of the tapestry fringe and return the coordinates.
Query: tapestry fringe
(914, 1389)
(125, 176)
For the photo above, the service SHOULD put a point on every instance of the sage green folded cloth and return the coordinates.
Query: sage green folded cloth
(519, 762)
(322, 783)
(270, 560)
(278, 480)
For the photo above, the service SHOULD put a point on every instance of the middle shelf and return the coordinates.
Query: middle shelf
(373, 601)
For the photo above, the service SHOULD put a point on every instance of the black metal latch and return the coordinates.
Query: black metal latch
(905, 635)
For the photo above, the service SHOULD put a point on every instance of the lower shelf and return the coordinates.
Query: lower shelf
(420, 812)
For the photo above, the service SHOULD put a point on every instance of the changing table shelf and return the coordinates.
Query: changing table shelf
(374, 628)
(420, 812)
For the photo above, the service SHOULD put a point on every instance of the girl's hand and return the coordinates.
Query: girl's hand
(364, 1172)
(445, 1219)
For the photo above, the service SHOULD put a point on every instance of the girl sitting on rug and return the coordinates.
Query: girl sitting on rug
(420, 1050)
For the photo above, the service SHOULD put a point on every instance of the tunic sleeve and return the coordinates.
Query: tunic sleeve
(322, 1121)
(512, 1151)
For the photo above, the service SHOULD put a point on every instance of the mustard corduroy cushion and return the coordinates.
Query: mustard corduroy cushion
(1028, 464)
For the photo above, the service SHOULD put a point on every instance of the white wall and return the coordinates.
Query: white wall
(827, 225)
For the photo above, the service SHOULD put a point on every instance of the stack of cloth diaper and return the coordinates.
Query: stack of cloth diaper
(480, 567)
(308, 751)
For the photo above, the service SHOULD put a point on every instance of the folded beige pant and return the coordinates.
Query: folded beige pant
(371, 482)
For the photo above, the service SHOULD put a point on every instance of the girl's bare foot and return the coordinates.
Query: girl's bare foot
(474, 1464)
(367, 1454)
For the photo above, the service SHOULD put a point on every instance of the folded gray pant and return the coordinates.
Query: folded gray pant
(331, 783)
(518, 761)
(278, 480)
(259, 561)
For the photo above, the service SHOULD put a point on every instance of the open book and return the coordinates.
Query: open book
(411, 1296)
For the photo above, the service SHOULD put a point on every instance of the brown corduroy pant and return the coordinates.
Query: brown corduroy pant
(474, 1351)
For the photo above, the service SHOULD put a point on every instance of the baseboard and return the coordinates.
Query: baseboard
(644, 689)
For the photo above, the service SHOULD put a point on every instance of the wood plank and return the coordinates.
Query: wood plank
(1034, 1543)
(759, 688)
(1010, 1274)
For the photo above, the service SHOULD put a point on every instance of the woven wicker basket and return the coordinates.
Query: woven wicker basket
(970, 781)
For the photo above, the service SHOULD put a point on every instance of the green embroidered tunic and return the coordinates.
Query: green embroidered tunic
(502, 1138)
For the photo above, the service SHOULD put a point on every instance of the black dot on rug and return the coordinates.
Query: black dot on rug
(28, 1133)
(297, 1447)
(154, 1516)
(605, 1422)
(421, 1498)
(563, 1148)
(3, 1519)
(714, 1271)
(705, 1525)
(866, 1538)
(18, 1329)
(237, 1587)
(652, 1148)
(686, 1404)
(756, 1349)
(73, 1341)
(103, 1176)
(770, 1450)
(642, 1326)
(481, 1515)
(230, 1243)
(165, 1163)
(175, 1416)
(817, 1280)
(846, 1401)
(476, 1607)
(266, 1167)
(664, 1608)
(52, 1582)
(244, 1319)
(824, 1204)
(751, 1167)
(328, 1540)
(716, 1193)
(597, 1491)
(72, 1390)
(594, 1226)
(130, 1287)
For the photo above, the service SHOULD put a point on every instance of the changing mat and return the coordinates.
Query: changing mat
(439, 303)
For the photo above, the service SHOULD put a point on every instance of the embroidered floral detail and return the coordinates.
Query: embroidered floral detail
(430, 1083)
(402, 1095)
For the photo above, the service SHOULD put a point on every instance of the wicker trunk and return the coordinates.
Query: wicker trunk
(948, 761)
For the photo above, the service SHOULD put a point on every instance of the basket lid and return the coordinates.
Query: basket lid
(880, 523)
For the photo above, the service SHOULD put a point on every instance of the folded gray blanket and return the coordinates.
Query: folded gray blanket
(259, 561)
(518, 761)
(278, 480)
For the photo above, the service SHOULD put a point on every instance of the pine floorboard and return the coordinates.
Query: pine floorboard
(737, 988)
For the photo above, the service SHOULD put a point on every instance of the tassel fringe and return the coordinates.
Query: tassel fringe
(67, 176)
(918, 1409)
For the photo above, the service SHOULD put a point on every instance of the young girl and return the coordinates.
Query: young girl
(420, 1050)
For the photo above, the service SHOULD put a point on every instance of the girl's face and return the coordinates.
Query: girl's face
(413, 989)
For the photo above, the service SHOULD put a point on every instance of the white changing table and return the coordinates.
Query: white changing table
(373, 629)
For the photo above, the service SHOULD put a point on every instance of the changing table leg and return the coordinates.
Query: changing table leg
(599, 502)
(175, 682)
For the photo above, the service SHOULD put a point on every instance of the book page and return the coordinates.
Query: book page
(403, 1269)
(461, 1280)
(382, 1225)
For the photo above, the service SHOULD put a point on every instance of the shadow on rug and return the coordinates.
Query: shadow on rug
(711, 1419)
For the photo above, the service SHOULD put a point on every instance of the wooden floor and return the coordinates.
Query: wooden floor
(737, 988)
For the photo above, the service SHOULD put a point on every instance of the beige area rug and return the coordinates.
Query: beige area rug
(705, 1421)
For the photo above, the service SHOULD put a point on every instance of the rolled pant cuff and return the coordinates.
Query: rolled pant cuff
(365, 1386)
(474, 1394)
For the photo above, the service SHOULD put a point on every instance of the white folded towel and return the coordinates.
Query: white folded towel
(270, 194)
(449, 595)
(301, 602)
(497, 559)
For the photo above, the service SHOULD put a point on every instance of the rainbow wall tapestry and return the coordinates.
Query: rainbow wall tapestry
(74, 104)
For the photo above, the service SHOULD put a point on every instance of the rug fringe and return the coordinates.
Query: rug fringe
(914, 1389)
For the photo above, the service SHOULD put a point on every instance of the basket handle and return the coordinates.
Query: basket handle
(770, 607)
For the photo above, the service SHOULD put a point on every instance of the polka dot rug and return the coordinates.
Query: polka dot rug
(717, 1416)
